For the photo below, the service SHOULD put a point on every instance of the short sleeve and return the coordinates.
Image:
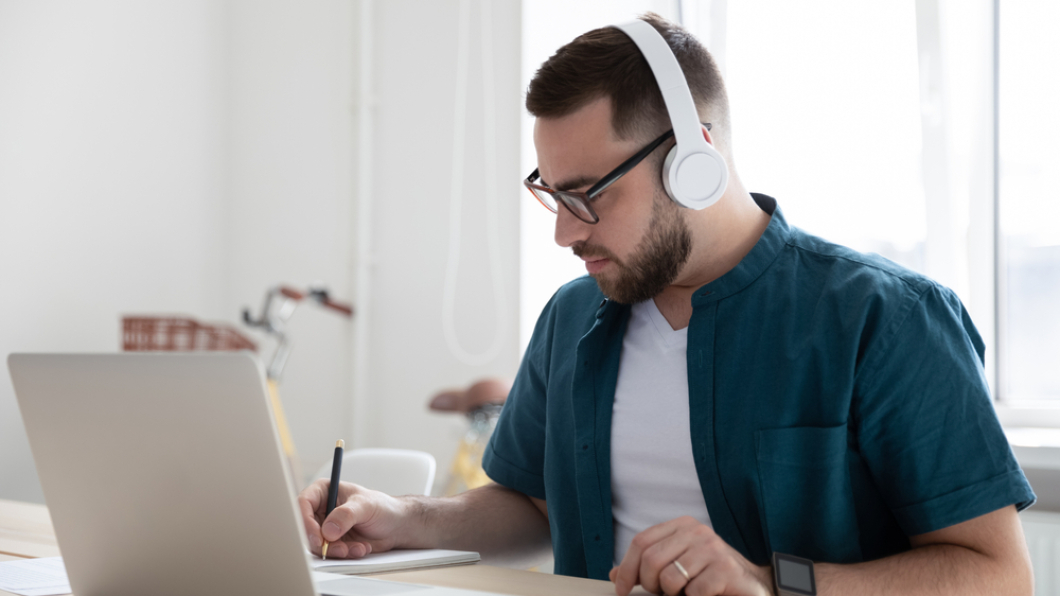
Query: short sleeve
(515, 455)
(926, 424)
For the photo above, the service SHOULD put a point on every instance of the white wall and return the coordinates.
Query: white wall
(290, 170)
(181, 157)
(112, 179)
(414, 84)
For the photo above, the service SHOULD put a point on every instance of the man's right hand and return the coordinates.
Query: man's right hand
(364, 521)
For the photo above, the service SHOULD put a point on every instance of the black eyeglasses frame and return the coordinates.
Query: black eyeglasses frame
(575, 201)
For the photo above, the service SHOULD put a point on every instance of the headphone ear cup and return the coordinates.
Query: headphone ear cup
(698, 180)
(667, 166)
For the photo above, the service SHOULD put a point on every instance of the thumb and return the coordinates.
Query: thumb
(342, 519)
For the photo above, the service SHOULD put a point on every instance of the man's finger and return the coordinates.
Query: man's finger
(348, 549)
(629, 570)
(672, 581)
(343, 519)
(316, 494)
(309, 520)
(713, 580)
(660, 556)
(309, 501)
(705, 550)
(721, 575)
(355, 545)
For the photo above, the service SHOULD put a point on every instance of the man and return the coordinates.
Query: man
(722, 387)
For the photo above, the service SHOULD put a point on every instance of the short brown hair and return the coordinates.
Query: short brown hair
(605, 62)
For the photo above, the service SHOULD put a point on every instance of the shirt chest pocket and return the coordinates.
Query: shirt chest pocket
(806, 497)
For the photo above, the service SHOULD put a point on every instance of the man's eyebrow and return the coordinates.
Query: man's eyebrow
(575, 182)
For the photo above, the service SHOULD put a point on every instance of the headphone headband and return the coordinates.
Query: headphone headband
(694, 173)
(671, 80)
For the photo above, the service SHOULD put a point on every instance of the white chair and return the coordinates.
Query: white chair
(392, 471)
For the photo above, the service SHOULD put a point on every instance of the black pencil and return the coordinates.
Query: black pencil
(333, 488)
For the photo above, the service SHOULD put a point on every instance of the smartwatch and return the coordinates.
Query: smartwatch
(793, 576)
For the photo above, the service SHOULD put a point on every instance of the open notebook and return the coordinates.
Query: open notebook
(395, 560)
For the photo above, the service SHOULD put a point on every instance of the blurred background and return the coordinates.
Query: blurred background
(182, 157)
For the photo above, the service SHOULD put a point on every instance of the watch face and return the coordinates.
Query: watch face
(794, 575)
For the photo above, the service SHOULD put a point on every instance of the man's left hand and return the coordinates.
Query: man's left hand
(713, 567)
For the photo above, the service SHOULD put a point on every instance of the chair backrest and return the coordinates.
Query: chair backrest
(392, 471)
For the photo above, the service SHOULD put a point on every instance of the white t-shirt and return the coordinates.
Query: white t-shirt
(653, 474)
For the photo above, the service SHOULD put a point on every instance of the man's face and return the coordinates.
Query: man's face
(641, 241)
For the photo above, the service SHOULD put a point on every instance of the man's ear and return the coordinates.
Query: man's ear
(706, 135)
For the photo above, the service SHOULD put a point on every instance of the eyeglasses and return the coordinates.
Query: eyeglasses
(580, 203)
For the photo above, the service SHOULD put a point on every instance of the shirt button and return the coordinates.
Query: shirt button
(584, 447)
(597, 538)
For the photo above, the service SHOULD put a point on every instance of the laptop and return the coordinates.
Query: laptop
(163, 474)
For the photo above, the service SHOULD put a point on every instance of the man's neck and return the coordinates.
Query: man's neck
(722, 235)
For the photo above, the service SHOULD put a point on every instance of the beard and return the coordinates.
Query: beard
(655, 263)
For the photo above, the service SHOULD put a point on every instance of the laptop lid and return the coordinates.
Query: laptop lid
(163, 473)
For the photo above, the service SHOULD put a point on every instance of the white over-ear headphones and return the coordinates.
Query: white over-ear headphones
(694, 173)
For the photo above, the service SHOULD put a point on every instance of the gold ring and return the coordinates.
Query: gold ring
(682, 570)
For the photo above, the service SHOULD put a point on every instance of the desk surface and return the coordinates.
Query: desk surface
(26, 531)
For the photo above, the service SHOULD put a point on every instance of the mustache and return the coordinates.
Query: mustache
(592, 252)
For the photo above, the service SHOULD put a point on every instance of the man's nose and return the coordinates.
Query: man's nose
(570, 229)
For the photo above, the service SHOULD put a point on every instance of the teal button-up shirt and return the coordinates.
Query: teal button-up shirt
(837, 401)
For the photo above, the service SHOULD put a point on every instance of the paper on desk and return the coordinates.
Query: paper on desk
(34, 577)
(395, 560)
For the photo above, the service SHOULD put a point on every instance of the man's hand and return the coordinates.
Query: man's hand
(713, 566)
(363, 521)
(504, 525)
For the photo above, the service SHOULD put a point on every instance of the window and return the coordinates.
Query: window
(1029, 202)
(826, 111)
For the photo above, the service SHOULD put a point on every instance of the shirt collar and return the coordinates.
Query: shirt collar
(752, 266)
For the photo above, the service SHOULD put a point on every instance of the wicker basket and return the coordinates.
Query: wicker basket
(152, 334)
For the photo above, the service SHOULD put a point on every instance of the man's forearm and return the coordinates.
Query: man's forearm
(933, 569)
(501, 524)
